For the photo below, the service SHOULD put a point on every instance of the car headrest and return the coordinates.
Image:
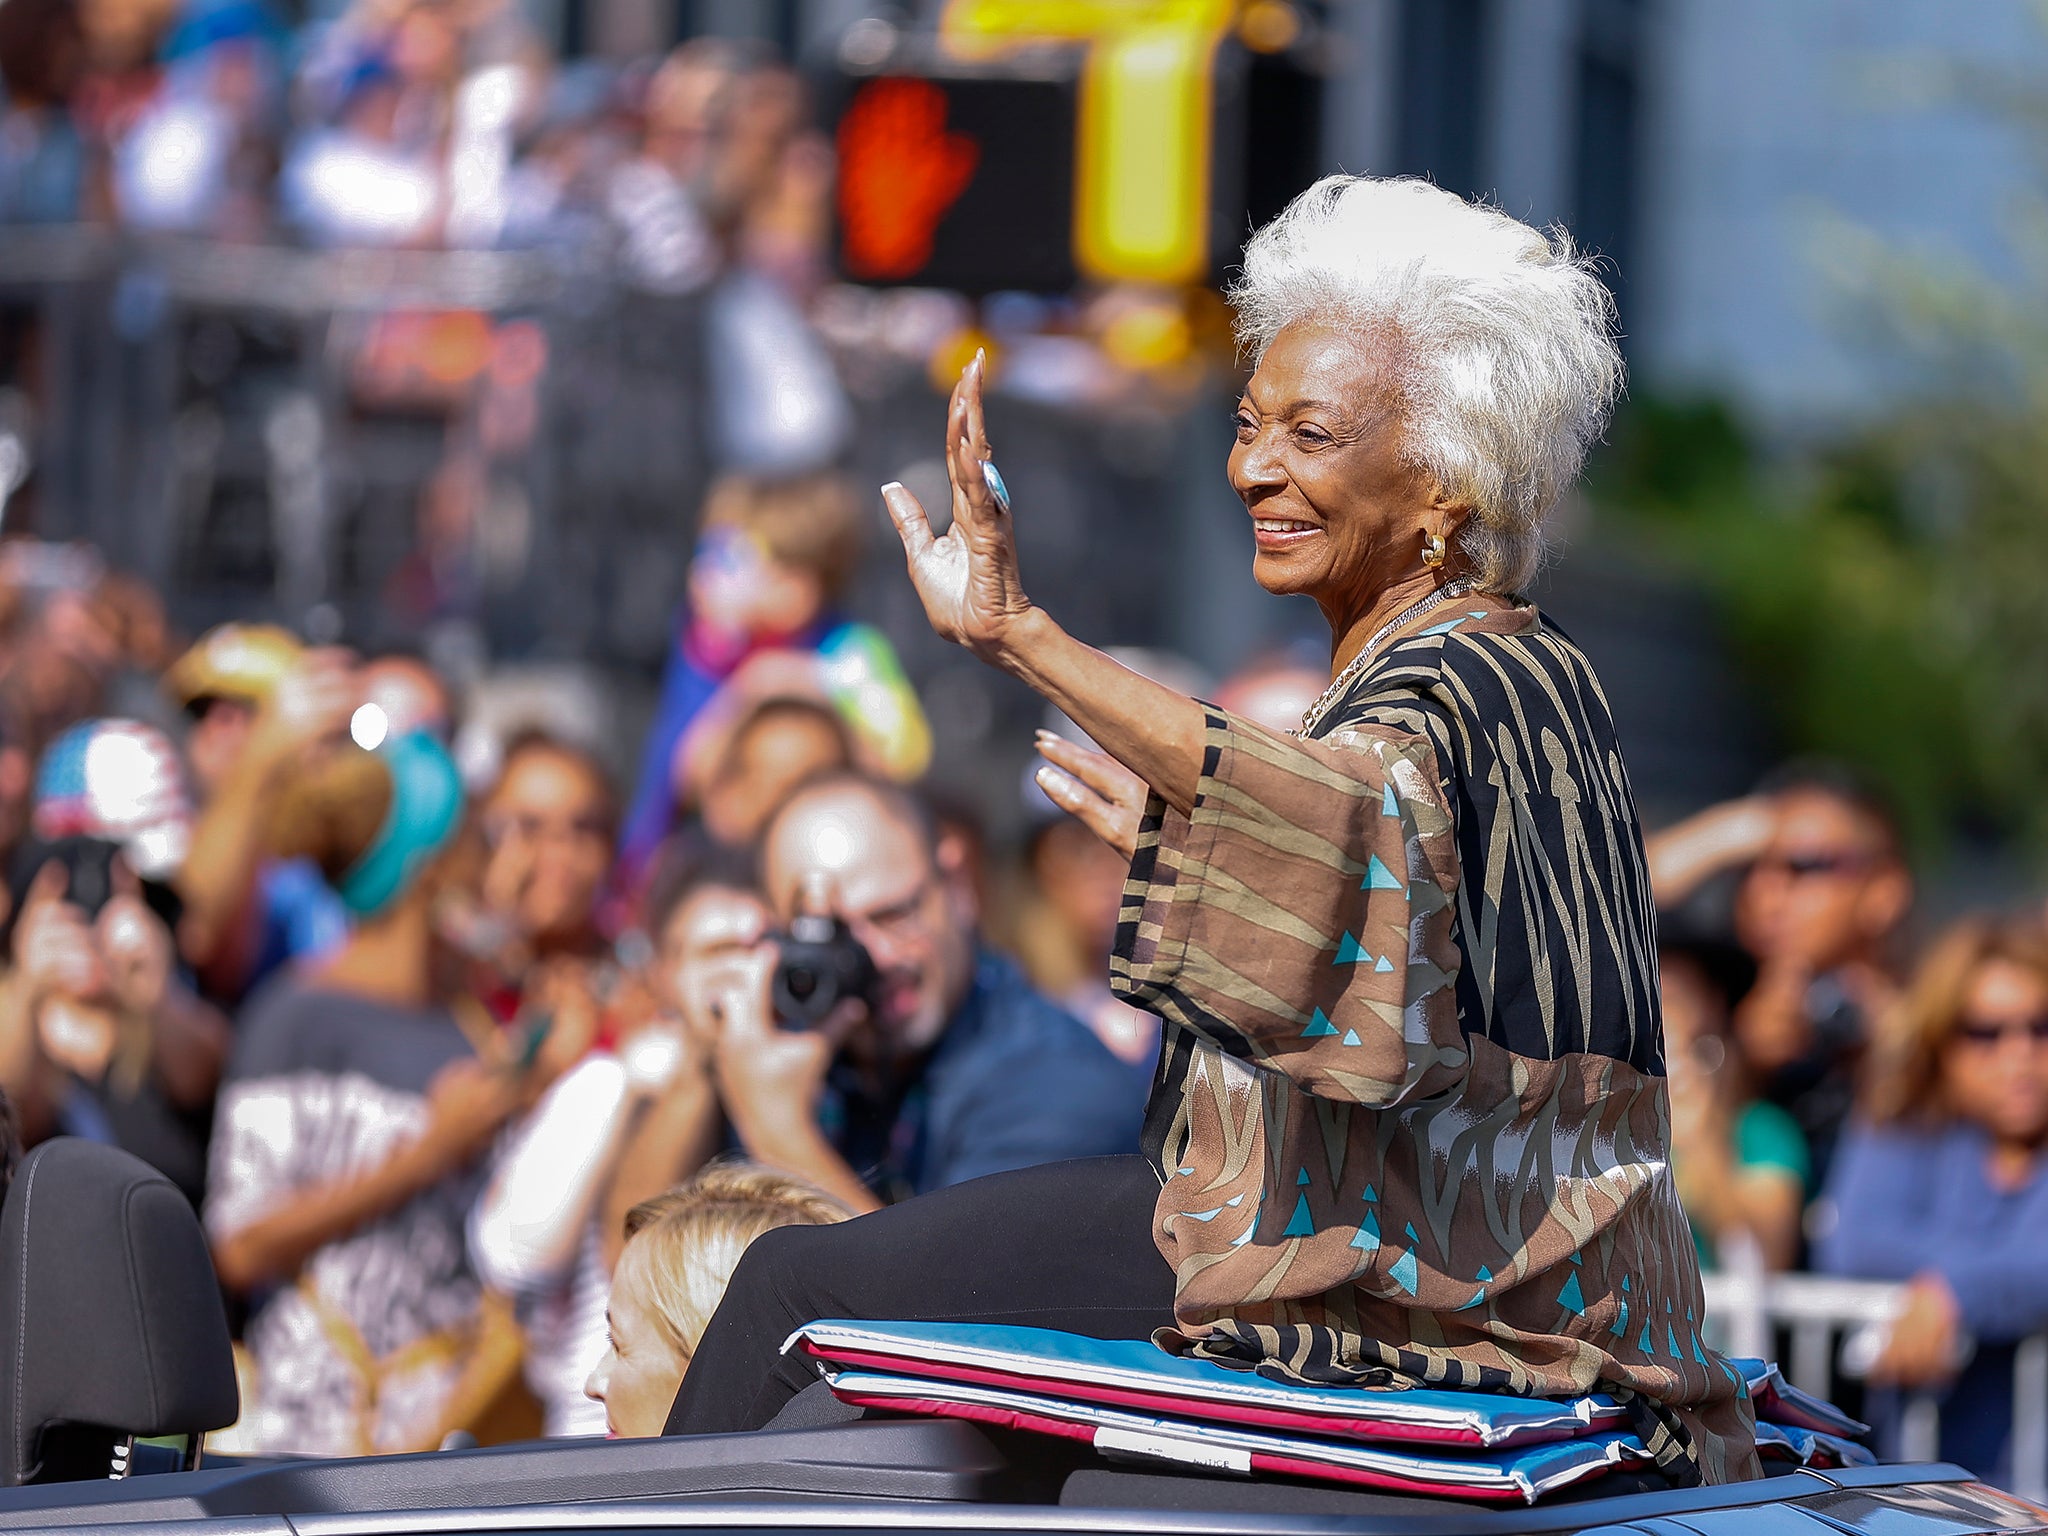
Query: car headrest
(111, 1322)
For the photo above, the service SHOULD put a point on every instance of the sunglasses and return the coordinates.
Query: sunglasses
(1984, 1035)
(1800, 866)
(533, 829)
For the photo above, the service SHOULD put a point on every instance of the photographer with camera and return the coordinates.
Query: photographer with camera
(100, 1036)
(123, 1053)
(879, 1049)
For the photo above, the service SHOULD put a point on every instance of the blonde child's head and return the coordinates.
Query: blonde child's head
(681, 1249)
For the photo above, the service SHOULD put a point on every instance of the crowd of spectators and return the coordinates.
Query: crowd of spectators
(455, 1064)
(434, 1056)
(481, 1082)
(413, 123)
(1853, 1095)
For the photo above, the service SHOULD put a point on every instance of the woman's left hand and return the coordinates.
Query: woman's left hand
(1095, 789)
(966, 577)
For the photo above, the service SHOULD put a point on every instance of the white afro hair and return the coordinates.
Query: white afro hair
(1502, 339)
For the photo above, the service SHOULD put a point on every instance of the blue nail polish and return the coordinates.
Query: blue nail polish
(996, 487)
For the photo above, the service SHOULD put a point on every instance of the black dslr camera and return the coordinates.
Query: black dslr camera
(818, 965)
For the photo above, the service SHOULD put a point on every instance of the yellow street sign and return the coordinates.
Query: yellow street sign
(1143, 143)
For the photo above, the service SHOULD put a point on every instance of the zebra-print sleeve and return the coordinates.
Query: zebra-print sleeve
(1301, 917)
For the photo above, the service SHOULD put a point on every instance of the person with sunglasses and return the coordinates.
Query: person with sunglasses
(1821, 891)
(1941, 1183)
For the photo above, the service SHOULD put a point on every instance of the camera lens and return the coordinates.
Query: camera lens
(819, 964)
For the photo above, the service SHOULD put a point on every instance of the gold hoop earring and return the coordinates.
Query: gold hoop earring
(1433, 550)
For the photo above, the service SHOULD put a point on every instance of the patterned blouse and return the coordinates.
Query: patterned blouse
(1411, 1119)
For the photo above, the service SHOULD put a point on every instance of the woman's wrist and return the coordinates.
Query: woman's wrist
(1027, 642)
(792, 1143)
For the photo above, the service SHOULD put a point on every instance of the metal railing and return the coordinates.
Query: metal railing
(207, 414)
(1747, 1308)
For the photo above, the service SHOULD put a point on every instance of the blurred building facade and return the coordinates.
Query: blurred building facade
(1708, 147)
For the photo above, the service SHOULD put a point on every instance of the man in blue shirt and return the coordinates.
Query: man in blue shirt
(957, 1069)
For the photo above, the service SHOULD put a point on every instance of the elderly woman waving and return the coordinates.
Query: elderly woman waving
(1410, 1123)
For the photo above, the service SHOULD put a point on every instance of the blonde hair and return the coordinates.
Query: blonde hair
(1906, 1083)
(811, 522)
(691, 1238)
(1504, 342)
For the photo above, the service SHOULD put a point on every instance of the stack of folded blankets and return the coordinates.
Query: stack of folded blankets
(1132, 1400)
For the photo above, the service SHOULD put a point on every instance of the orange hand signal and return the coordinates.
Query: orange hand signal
(899, 171)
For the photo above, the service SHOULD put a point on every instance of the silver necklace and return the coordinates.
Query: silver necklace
(1341, 683)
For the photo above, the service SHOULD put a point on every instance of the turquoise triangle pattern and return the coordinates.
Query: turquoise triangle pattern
(1697, 1353)
(1301, 1178)
(1389, 806)
(1479, 1295)
(1350, 951)
(1318, 1026)
(1624, 1282)
(1411, 1231)
(1671, 1343)
(1620, 1328)
(1403, 1272)
(1571, 1298)
(1383, 964)
(1370, 1194)
(1300, 1224)
(1380, 878)
(1368, 1239)
(1647, 1344)
(1351, 1037)
(1245, 1236)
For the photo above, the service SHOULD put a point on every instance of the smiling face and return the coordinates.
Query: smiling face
(548, 823)
(1338, 515)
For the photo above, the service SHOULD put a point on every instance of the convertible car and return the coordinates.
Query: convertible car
(114, 1336)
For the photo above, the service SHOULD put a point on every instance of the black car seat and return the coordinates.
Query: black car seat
(111, 1320)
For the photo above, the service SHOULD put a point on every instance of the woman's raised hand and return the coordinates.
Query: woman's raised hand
(967, 577)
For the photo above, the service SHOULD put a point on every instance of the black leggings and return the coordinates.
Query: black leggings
(1066, 1246)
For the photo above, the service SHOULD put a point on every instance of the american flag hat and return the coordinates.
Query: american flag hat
(119, 781)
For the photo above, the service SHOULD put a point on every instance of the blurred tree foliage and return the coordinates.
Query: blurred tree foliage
(1888, 589)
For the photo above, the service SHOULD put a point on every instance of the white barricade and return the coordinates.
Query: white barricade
(1746, 1306)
